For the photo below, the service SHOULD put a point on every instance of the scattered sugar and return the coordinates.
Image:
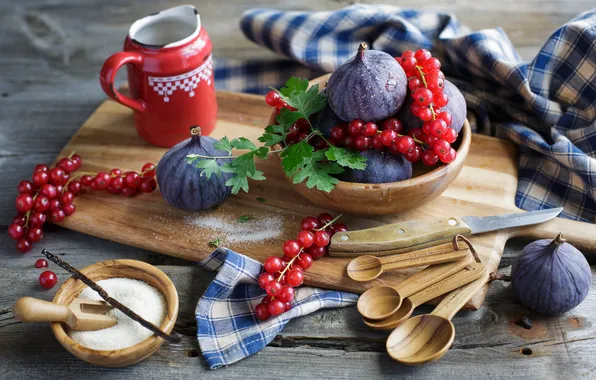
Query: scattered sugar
(139, 296)
(255, 229)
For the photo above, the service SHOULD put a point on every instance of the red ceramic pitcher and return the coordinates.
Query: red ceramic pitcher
(170, 75)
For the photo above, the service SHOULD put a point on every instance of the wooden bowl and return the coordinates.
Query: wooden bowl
(367, 199)
(114, 269)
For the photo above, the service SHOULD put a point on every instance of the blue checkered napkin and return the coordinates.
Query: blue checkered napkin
(546, 106)
(227, 328)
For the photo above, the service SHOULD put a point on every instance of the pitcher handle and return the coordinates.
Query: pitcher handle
(108, 75)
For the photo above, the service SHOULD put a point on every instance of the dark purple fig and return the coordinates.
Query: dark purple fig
(324, 120)
(551, 276)
(381, 167)
(371, 86)
(456, 107)
(185, 186)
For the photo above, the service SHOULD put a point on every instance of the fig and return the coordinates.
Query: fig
(372, 86)
(381, 167)
(456, 107)
(324, 120)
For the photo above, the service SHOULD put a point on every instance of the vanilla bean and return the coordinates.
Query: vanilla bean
(173, 338)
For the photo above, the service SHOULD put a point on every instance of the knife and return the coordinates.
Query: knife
(414, 234)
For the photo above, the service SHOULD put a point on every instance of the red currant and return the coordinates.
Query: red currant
(41, 203)
(40, 178)
(317, 252)
(276, 307)
(24, 245)
(414, 83)
(440, 99)
(422, 55)
(129, 192)
(49, 191)
(86, 180)
(41, 263)
(414, 154)
(408, 63)
(262, 312)
(432, 64)
(304, 261)
(41, 168)
(69, 209)
(15, 231)
(422, 96)
(362, 143)
(305, 238)
(445, 116)
(286, 294)
(407, 53)
(441, 147)
(429, 157)
(415, 133)
(438, 128)
(19, 220)
(388, 137)
(55, 204)
(66, 198)
(338, 133)
(449, 157)
(58, 177)
(287, 306)
(266, 300)
(115, 172)
(148, 185)
(450, 135)
(102, 180)
(291, 248)
(273, 99)
(57, 215)
(24, 202)
(48, 279)
(132, 179)
(424, 114)
(349, 142)
(67, 165)
(273, 288)
(321, 238)
(338, 227)
(404, 144)
(370, 129)
(355, 127)
(148, 170)
(392, 124)
(434, 82)
(272, 264)
(377, 142)
(310, 223)
(25, 187)
(34, 234)
(37, 219)
(77, 160)
(294, 278)
(74, 187)
(264, 279)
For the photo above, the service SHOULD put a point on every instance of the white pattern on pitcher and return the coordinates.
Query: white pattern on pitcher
(165, 86)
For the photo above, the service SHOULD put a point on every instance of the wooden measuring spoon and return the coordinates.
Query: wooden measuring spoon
(427, 337)
(80, 314)
(464, 276)
(382, 301)
(367, 268)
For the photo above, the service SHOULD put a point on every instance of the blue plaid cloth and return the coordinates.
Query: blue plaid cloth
(547, 106)
(227, 327)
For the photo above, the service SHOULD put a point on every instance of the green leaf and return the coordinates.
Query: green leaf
(287, 117)
(294, 156)
(209, 167)
(244, 219)
(243, 143)
(191, 158)
(346, 158)
(270, 139)
(257, 176)
(262, 152)
(223, 144)
(294, 84)
(262, 200)
(307, 102)
(238, 183)
(318, 173)
(215, 243)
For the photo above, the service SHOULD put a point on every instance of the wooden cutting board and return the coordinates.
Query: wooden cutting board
(486, 186)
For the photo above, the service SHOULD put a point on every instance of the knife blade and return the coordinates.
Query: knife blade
(415, 234)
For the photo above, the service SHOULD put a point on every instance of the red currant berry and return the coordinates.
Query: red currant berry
(262, 312)
(338, 227)
(272, 264)
(273, 99)
(407, 53)
(294, 278)
(116, 172)
(426, 128)
(432, 64)
(273, 288)
(287, 306)
(129, 192)
(414, 154)
(377, 142)
(322, 238)
(355, 127)
(55, 204)
(291, 248)
(349, 142)
(77, 160)
(276, 307)
(440, 99)
(425, 114)
(422, 96)
(389, 136)
(49, 191)
(86, 180)
(304, 261)
(441, 147)
(438, 128)
(34, 234)
(429, 157)
(24, 202)
(264, 279)
(415, 133)
(414, 83)
(266, 300)
(40, 178)
(286, 294)
(305, 238)
(24, 245)
(317, 252)
(19, 220)
(132, 179)
(446, 117)
(422, 55)
(57, 215)
(404, 144)
(434, 82)
(362, 143)
(58, 177)
(337, 134)
(25, 187)
(148, 170)
(41, 263)
(148, 185)
(74, 187)
(66, 198)
(392, 124)
(67, 165)
(450, 135)
(393, 150)
(310, 223)
(303, 125)
(118, 183)
(15, 231)
(102, 180)
(301, 136)
(408, 63)
(448, 157)
(48, 279)
(37, 219)
(41, 168)
(69, 209)
(370, 129)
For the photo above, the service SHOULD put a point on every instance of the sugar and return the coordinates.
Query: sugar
(139, 296)
(255, 229)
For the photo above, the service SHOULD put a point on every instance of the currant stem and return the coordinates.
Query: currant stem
(422, 76)
(328, 224)
(281, 274)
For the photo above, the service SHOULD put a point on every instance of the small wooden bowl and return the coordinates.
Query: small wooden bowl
(367, 199)
(118, 269)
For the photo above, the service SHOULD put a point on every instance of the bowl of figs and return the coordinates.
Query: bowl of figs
(403, 116)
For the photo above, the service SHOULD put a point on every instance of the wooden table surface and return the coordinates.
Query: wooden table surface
(46, 94)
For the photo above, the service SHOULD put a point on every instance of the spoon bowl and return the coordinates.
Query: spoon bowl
(365, 268)
(379, 302)
(392, 321)
(421, 339)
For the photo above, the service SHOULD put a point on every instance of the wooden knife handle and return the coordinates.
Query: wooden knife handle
(454, 301)
(28, 309)
(396, 238)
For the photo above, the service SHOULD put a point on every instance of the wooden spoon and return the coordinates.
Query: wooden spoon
(81, 314)
(461, 278)
(427, 337)
(367, 268)
(382, 301)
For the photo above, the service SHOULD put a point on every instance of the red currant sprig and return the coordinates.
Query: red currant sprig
(426, 83)
(282, 274)
(51, 192)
